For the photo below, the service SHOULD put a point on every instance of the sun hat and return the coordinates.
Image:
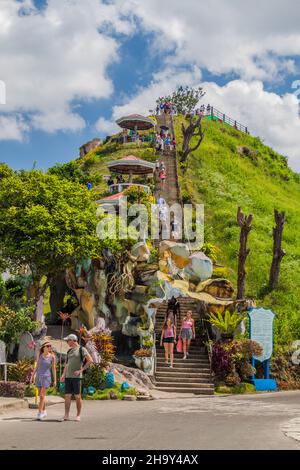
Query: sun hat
(45, 343)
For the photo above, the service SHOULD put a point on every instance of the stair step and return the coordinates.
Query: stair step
(184, 363)
(196, 391)
(186, 385)
(203, 357)
(185, 381)
(179, 370)
(184, 378)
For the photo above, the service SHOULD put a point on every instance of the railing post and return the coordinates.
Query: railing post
(212, 111)
(224, 118)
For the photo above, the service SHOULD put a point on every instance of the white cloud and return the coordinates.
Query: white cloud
(252, 39)
(52, 57)
(162, 84)
(12, 128)
(106, 127)
(274, 118)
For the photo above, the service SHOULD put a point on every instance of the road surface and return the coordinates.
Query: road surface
(266, 421)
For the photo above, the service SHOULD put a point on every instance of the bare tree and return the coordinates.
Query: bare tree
(194, 129)
(245, 222)
(278, 252)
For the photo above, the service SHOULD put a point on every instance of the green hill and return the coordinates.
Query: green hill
(232, 169)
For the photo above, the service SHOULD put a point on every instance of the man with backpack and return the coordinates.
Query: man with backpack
(78, 360)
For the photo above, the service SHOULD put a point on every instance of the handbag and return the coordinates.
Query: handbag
(179, 345)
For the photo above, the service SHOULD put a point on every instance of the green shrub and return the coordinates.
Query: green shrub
(94, 377)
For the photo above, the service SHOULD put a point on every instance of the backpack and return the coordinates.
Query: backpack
(82, 358)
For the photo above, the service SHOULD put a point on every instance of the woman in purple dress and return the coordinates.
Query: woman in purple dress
(46, 364)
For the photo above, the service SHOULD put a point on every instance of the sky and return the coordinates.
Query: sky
(70, 68)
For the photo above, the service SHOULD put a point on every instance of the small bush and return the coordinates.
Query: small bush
(94, 377)
(21, 371)
(12, 389)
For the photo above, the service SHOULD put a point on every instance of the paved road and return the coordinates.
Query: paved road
(268, 421)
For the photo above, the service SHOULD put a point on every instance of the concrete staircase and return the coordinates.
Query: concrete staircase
(187, 376)
(170, 192)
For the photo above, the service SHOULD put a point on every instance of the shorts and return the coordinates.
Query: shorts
(186, 333)
(169, 340)
(72, 386)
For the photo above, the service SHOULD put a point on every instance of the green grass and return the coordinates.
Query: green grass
(95, 162)
(99, 394)
(218, 176)
(236, 389)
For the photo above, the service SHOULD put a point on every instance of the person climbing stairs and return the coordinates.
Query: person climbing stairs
(191, 375)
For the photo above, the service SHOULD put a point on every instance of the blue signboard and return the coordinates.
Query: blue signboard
(261, 331)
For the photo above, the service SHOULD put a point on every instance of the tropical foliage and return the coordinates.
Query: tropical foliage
(15, 322)
(226, 322)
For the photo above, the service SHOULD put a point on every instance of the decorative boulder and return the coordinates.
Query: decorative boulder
(200, 267)
(26, 347)
(124, 386)
(141, 252)
(179, 252)
(109, 380)
(221, 288)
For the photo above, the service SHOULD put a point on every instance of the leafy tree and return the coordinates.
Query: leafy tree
(185, 99)
(5, 171)
(13, 323)
(74, 171)
(46, 223)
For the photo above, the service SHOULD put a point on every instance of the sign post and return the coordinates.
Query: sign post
(261, 331)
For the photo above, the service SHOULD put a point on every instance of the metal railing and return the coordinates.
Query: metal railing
(118, 188)
(222, 117)
(208, 343)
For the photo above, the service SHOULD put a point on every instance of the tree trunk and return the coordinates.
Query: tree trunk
(278, 252)
(58, 289)
(245, 222)
(194, 129)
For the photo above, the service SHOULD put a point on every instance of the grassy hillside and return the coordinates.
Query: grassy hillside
(232, 169)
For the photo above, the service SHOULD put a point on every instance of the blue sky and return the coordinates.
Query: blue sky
(72, 67)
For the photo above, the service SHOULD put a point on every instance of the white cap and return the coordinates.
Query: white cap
(71, 338)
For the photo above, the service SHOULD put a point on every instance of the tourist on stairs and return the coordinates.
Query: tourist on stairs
(162, 177)
(168, 338)
(187, 332)
(42, 376)
(174, 306)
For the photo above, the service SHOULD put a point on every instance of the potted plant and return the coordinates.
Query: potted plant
(226, 323)
(143, 359)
